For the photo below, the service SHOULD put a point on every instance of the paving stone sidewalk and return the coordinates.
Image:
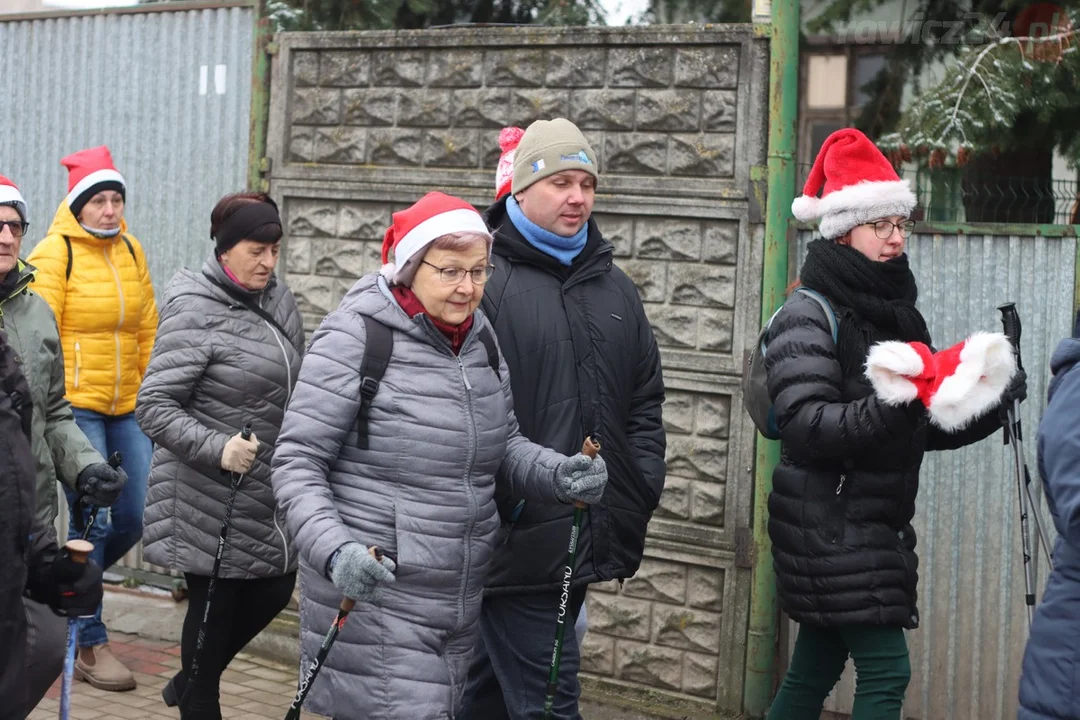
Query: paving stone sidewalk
(252, 688)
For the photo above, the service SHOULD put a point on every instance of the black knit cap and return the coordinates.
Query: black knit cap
(258, 221)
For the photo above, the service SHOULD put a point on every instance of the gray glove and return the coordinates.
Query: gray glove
(357, 574)
(100, 483)
(581, 478)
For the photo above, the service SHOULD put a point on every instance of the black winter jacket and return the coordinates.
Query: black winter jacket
(583, 360)
(844, 492)
(26, 546)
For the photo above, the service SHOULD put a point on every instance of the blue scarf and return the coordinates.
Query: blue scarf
(562, 248)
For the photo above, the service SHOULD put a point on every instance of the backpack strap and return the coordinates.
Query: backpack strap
(378, 347)
(492, 350)
(131, 250)
(824, 303)
(71, 258)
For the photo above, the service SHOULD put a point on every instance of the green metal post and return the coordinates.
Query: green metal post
(783, 117)
(260, 99)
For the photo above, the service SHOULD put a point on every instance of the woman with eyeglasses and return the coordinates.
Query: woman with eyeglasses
(386, 465)
(844, 492)
(60, 450)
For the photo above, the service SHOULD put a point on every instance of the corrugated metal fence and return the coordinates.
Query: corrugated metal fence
(168, 90)
(966, 655)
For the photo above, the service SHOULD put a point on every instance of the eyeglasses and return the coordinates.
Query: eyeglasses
(454, 275)
(884, 228)
(17, 227)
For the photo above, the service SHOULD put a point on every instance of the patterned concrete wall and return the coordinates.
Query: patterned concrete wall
(363, 124)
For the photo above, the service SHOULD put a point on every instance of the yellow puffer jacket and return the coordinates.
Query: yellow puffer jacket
(105, 310)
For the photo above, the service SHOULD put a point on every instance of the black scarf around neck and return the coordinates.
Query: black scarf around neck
(875, 301)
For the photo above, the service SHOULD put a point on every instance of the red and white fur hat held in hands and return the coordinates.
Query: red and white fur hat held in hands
(957, 385)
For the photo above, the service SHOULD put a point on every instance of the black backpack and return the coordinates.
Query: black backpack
(377, 351)
(71, 258)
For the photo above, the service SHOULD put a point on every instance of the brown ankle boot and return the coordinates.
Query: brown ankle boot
(99, 667)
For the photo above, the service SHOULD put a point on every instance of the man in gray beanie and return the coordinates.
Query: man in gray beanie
(583, 362)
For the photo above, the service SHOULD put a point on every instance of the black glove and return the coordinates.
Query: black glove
(72, 589)
(101, 484)
(1017, 390)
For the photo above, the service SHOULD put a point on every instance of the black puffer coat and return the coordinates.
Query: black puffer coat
(582, 360)
(844, 492)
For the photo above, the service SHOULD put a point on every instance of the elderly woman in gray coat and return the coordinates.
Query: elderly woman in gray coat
(407, 465)
(227, 354)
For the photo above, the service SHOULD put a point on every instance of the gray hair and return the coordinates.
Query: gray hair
(461, 241)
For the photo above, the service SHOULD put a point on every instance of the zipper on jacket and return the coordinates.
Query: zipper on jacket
(468, 484)
(119, 324)
(78, 363)
(840, 487)
(284, 544)
(288, 365)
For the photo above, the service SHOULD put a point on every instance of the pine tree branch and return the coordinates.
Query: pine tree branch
(1016, 74)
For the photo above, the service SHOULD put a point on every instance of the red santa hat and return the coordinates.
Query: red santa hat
(857, 185)
(413, 229)
(10, 195)
(509, 137)
(89, 172)
(957, 385)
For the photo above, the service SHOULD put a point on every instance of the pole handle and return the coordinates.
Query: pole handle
(245, 432)
(1010, 322)
(115, 460)
(79, 550)
(590, 449)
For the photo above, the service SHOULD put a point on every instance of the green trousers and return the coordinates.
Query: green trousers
(882, 670)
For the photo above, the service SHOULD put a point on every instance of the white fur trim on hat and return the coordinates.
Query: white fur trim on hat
(805, 208)
(987, 365)
(94, 178)
(458, 220)
(10, 195)
(842, 210)
(888, 367)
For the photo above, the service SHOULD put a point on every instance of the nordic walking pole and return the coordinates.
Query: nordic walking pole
(1009, 310)
(114, 463)
(324, 650)
(200, 640)
(1010, 321)
(591, 448)
(79, 551)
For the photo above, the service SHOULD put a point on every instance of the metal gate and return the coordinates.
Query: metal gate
(167, 88)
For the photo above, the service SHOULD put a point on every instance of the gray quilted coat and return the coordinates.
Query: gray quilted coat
(217, 365)
(439, 428)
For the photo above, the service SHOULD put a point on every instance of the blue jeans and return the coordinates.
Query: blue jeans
(119, 528)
